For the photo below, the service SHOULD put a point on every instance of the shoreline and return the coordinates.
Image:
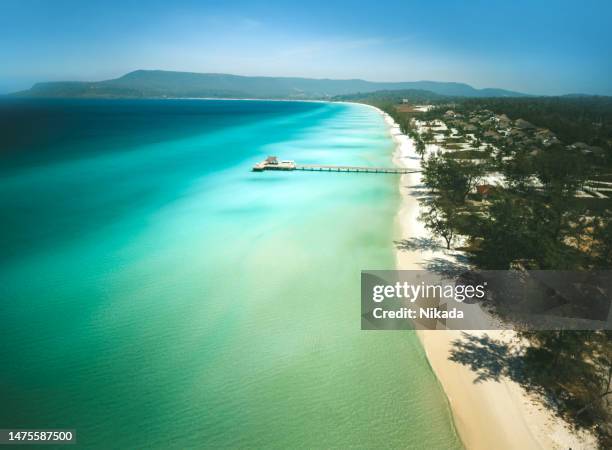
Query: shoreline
(489, 414)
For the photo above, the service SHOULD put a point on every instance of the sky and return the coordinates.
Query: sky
(545, 47)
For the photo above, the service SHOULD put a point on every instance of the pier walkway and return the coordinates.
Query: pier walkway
(324, 168)
(272, 163)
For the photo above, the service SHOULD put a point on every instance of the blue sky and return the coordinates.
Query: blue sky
(537, 46)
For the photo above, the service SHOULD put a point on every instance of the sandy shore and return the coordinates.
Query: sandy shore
(490, 414)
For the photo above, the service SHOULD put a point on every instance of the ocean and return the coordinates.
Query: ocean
(156, 293)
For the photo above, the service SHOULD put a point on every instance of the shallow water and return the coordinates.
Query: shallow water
(156, 293)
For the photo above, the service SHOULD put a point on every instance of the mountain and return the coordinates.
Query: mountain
(159, 83)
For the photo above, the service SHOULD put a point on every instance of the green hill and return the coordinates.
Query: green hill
(159, 83)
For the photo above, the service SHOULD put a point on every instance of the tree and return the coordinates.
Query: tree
(420, 147)
(525, 229)
(428, 136)
(517, 170)
(504, 234)
(478, 137)
(574, 370)
(602, 241)
(441, 218)
(562, 171)
(450, 178)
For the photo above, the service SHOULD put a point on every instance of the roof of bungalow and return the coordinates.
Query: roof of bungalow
(517, 133)
(485, 189)
(544, 132)
(521, 123)
(492, 134)
(551, 141)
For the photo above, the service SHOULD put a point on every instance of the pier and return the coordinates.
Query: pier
(272, 163)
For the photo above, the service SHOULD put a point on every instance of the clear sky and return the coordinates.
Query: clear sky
(535, 46)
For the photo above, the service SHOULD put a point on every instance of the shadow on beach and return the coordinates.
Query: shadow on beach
(451, 267)
(419, 243)
(543, 371)
(419, 191)
(488, 358)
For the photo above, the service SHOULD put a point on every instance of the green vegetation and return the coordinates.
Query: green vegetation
(465, 154)
(450, 179)
(452, 146)
(568, 371)
(442, 218)
(576, 368)
(586, 119)
(390, 97)
(548, 155)
(574, 119)
(404, 121)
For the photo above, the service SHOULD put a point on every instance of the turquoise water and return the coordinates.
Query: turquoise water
(155, 293)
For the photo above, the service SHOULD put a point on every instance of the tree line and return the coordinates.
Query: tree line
(533, 220)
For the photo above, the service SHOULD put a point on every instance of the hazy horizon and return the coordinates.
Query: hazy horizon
(548, 48)
(287, 76)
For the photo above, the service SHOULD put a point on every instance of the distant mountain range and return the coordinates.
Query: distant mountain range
(160, 84)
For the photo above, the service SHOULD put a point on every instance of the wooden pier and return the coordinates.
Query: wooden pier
(325, 168)
(272, 163)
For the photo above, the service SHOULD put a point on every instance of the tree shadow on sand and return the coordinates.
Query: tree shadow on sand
(418, 193)
(419, 243)
(450, 267)
(422, 187)
(562, 381)
(489, 359)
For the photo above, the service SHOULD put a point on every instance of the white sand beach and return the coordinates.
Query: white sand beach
(489, 414)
